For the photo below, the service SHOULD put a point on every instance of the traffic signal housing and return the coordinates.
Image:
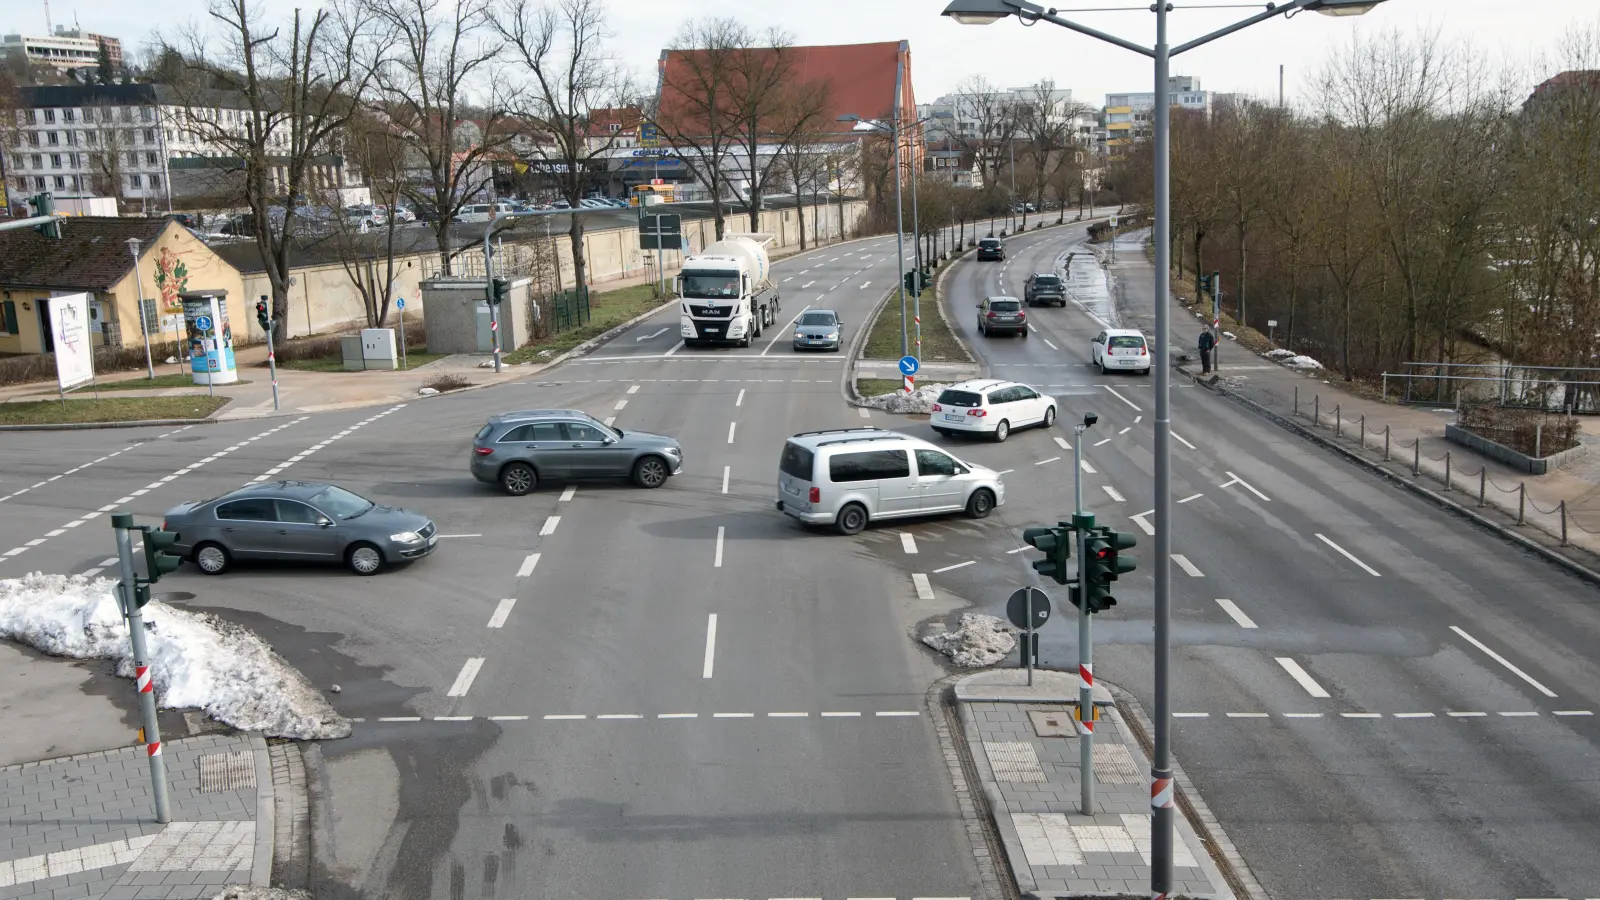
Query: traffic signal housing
(501, 290)
(915, 282)
(1056, 542)
(157, 561)
(1103, 562)
(264, 314)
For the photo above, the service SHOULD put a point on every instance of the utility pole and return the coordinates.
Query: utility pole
(144, 319)
(129, 592)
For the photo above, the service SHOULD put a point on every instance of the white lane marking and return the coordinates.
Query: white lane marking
(739, 400)
(452, 718)
(1237, 480)
(508, 718)
(1138, 419)
(1102, 441)
(677, 715)
(896, 713)
(731, 427)
(959, 565)
(620, 716)
(1190, 497)
(1005, 471)
(1520, 714)
(806, 285)
(1062, 443)
(463, 681)
(399, 718)
(865, 285)
(840, 715)
(635, 388)
(733, 715)
(1573, 712)
(1050, 460)
(787, 329)
(789, 279)
(924, 589)
(725, 471)
(567, 494)
(647, 337)
(549, 526)
(1421, 715)
(1466, 715)
(528, 562)
(1235, 613)
(675, 349)
(1143, 524)
(1086, 467)
(56, 533)
(907, 542)
(1190, 715)
(1112, 492)
(1047, 341)
(1360, 715)
(1302, 715)
(1124, 431)
(502, 612)
(1503, 661)
(621, 405)
(711, 646)
(1247, 715)
(1179, 438)
(787, 715)
(1186, 566)
(1302, 677)
(609, 420)
(1119, 396)
(864, 413)
(1347, 555)
(564, 717)
(717, 563)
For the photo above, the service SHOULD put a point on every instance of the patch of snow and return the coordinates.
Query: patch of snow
(196, 659)
(1304, 363)
(1230, 335)
(247, 892)
(1279, 353)
(426, 391)
(919, 401)
(979, 640)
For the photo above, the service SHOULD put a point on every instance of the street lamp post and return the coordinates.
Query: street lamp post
(985, 12)
(895, 130)
(144, 320)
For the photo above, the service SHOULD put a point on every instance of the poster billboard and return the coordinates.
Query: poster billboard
(69, 329)
(210, 339)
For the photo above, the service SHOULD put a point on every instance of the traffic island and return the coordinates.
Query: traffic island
(108, 410)
(876, 371)
(1023, 743)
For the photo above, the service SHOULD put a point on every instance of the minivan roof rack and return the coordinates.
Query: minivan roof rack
(885, 436)
(839, 430)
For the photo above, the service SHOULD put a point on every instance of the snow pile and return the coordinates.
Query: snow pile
(979, 640)
(247, 892)
(196, 659)
(1304, 363)
(1279, 353)
(918, 402)
(1230, 335)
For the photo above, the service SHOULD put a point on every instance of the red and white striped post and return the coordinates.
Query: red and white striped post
(910, 383)
(151, 732)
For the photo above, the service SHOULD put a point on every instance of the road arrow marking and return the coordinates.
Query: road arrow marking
(649, 336)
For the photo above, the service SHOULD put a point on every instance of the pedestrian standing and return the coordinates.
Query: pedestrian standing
(1207, 342)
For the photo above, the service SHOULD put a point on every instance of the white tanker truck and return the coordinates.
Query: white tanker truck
(727, 292)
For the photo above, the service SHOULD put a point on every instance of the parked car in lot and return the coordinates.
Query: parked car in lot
(992, 407)
(517, 450)
(298, 521)
(1002, 315)
(849, 477)
(817, 329)
(1121, 350)
(1044, 287)
(991, 249)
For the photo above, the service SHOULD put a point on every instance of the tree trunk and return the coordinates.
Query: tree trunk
(1240, 304)
(441, 233)
(580, 264)
(1345, 363)
(1294, 292)
(800, 213)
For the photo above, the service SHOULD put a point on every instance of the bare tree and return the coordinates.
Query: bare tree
(1044, 120)
(695, 110)
(107, 145)
(994, 124)
(773, 108)
(365, 241)
(572, 76)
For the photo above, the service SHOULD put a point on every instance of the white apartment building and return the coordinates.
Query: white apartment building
(954, 119)
(1128, 116)
(68, 48)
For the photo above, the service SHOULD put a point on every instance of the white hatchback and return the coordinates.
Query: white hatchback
(1120, 350)
(991, 407)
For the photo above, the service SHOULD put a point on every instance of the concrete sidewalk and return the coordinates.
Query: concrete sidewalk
(1026, 752)
(84, 826)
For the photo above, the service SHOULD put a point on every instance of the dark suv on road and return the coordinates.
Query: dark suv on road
(991, 248)
(517, 449)
(1044, 287)
(1002, 315)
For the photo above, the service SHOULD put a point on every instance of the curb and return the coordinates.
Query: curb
(977, 810)
(266, 815)
(88, 426)
(1434, 497)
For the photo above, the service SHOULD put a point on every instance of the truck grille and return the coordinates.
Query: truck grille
(721, 311)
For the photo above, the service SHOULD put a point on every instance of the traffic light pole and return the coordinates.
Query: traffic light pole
(272, 357)
(1082, 523)
(127, 591)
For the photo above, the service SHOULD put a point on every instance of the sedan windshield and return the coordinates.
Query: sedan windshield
(340, 503)
(817, 318)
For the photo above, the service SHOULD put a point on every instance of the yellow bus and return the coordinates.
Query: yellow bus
(651, 194)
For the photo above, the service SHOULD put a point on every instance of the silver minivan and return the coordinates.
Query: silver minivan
(848, 477)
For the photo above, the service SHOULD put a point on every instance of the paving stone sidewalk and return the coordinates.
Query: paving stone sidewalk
(84, 826)
(1027, 758)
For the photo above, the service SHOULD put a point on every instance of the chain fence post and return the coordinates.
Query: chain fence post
(1538, 440)
(1522, 503)
(1316, 410)
(1297, 400)
(1483, 482)
(1363, 431)
(1447, 470)
(1563, 523)
(1338, 420)
(1416, 457)
(1385, 443)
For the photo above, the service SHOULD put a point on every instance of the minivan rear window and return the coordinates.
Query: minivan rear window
(953, 397)
(1047, 281)
(988, 242)
(1126, 341)
(1005, 305)
(796, 462)
(869, 465)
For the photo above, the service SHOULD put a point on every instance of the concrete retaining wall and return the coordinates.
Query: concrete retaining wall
(1500, 452)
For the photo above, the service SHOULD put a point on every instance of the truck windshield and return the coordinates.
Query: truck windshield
(710, 285)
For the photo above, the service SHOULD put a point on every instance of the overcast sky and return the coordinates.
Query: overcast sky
(1008, 53)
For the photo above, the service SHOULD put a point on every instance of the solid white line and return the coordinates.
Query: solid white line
(1235, 613)
(1047, 341)
(1086, 467)
(1144, 525)
(1179, 438)
(1347, 555)
(567, 494)
(463, 681)
(731, 427)
(1112, 492)
(1504, 662)
(787, 329)
(1248, 487)
(1050, 460)
(1062, 443)
(550, 526)
(924, 589)
(502, 612)
(717, 563)
(1303, 677)
(725, 471)
(739, 400)
(907, 542)
(711, 646)
(1119, 396)
(528, 563)
(1186, 566)
(1191, 497)
(970, 562)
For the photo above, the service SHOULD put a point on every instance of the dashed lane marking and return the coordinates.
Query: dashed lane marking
(1119, 396)
(1179, 438)
(732, 426)
(1191, 497)
(1234, 479)
(1062, 443)
(1235, 613)
(1143, 523)
(726, 470)
(739, 400)
(549, 527)
(86, 465)
(1187, 566)
(502, 612)
(1102, 441)
(463, 682)
(278, 469)
(528, 562)
(1050, 460)
(717, 562)
(864, 413)
(1302, 677)
(1087, 468)
(609, 420)
(621, 405)
(635, 388)
(567, 494)
(907, 542)
(1112, 493)
(959, 565)
(924, 589)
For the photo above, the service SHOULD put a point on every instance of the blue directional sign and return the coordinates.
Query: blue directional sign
(399, 303)
(203, 323)
(909, 365)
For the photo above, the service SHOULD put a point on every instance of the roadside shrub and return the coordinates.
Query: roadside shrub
(1520, 429)
(42, 366)
(448, 382)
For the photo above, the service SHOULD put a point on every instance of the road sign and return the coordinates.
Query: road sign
(203, 323)
(649, 136)
(1017, 608)
(1113, 221)
(400, 303)
(663, 223)
(1272, 323)
(661, 231)
(909, 365)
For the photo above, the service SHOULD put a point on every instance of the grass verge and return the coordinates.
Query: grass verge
(108, 409)
(607, 310)
(160, 382)
(872, 387)
(415, 357)
(938, 343)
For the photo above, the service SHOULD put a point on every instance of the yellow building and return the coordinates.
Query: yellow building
(94, 255)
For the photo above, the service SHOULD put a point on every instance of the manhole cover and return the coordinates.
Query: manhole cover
(230, 771)
(1053, 724)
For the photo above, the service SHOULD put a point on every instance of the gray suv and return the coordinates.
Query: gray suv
(517, 449)
(1044, 287)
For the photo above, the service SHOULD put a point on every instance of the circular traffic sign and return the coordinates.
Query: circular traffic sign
(399, 303)
(203, 323)
(909, 365)
(1017, 608)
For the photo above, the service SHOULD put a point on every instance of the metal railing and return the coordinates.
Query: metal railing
(1572, 390)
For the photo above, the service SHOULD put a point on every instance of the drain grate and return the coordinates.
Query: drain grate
(1113, 764)
(227, 771)
(1014, 761)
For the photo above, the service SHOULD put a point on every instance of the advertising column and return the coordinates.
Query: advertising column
(209, 337)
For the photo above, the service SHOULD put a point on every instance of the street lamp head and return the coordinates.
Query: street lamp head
(982, 12)
(847, 117)
(133, 245)
(1342, 7)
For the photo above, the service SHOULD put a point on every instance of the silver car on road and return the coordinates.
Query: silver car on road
(817, 329)
(300, 521)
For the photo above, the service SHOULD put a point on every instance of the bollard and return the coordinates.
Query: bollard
(1385, 443)
(1416, 457)
(1297, 399)
(1363, 431)
(1338, 421)
(1563, 523)
(1316, 410)
(1483, 482)
(1522, 503)
(1447, 470)
(1538, 440)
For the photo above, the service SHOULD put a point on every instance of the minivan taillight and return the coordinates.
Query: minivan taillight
(937, 407)
(815, 496)
(483, 451)
(980, 413)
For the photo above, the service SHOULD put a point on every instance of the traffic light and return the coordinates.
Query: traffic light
(1057, 546)
(264, 314)
(45, 205)
(502, 290)
(916, 282)
(141, 595)
(1103, 563)
(157, 561)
